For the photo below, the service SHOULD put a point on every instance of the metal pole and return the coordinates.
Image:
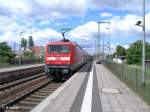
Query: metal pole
(14, 47)
(109, 43)
(143, 51)
(99, 39)
(95, 49)
(98, 47)
(103, 48)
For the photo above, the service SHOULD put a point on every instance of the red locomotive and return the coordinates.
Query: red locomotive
(62, 58)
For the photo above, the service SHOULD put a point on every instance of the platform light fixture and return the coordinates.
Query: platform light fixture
(108, 28)
(139, 23)
(99, 36)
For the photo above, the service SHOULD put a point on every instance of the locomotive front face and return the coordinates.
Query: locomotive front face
(58, 55)
(58, 58)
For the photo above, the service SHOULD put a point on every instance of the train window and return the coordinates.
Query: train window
(58, 49)
(53, 49)
(64, 49)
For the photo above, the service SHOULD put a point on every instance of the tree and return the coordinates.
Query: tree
(120, 51)
(23, 43)
(6, 53)
(31, 42)
(134, 52)
(28, 54)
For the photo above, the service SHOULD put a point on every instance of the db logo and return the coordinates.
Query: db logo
(57, 58)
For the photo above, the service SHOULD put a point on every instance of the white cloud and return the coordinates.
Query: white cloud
(114, 46)
(24, 15)
(121, 28)
(65, 7)
(126, 46)
(38, 35)
(33, 10)
(128, 5)
(16, 7)
(84, 31)
(44, 9)
(106, 14)
(9, 36)
(46, 34)
(147, 22)
(124, 27)
(44, 22)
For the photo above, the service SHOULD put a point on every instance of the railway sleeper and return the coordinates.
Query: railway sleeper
(51, 88)
(22, 109)
(14, 109)
(27, 103)
(33, 99)
(37, 96)
(42, 94)
(45, 91)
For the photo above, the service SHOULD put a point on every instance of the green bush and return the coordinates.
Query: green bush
(134, 52)
(28, 54)
(6, 53)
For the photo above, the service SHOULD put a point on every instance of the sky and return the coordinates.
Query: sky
(44, 19)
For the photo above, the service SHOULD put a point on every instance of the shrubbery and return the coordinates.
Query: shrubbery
(6, 54)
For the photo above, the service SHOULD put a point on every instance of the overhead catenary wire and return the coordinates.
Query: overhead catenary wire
(46, 13)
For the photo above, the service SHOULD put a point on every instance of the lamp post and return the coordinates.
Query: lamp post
(143, 48)
(109, 40)
(100, 22)
(95, 49)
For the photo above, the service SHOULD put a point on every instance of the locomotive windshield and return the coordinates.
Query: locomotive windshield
(58, 49)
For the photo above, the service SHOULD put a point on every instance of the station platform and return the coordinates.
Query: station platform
(96, 91)
(20, 67)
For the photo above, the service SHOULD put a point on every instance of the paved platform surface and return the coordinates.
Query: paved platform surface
(20, 67)
(97, 91)
(125, 101)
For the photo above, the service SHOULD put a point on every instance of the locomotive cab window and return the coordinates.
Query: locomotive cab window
(53, 49)
(58, 49)
(64, 49)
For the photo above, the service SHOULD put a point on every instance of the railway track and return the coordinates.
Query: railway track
(20, 81)
(24, 95)
(32, 100)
